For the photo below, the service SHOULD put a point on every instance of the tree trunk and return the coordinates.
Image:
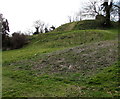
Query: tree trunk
(37, 30)
(107, 9)
(108, 17)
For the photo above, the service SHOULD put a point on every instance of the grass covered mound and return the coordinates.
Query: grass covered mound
(68, 63)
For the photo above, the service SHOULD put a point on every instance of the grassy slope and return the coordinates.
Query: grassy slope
(57, 40)
(83, 25)
(29, 74)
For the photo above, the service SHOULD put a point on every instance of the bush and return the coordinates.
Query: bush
(18, 40)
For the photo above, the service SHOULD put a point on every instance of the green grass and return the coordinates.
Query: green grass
(46, 43)
(34, 70)
(38, 86)
(107, 80)
(85, 25)
(27, 84)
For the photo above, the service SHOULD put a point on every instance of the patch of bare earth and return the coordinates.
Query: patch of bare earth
(83, 58)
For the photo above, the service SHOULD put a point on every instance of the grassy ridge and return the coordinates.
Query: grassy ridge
(50, 42)
(85, 25)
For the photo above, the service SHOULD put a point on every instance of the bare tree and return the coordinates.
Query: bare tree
(4, 30)
(117, 10)
(52, 27)
(107, 9)
(114, 14)
(70, 19)
(46, 30)
(4, 25)
(28, 32)
(92, 8)
(39, 26)
(79, 15)
(101, 7)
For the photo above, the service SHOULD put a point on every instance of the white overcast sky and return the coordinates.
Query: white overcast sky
(22, 13)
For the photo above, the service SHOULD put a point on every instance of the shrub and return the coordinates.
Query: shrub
(18, 40)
